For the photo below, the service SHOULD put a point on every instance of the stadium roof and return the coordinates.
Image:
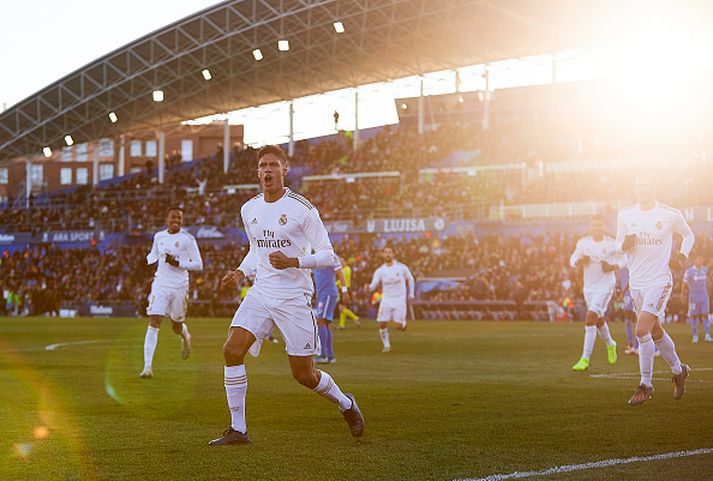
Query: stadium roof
(383, 39)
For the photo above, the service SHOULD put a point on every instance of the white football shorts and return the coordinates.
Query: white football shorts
(597, 301)
(168, 302)
(652, 299)
(392, 311)
(293, 317)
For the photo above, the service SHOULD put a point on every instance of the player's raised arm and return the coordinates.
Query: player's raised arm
(152, 257)
(194, 261)
(318, 238)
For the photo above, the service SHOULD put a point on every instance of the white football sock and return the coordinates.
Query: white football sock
(668, 350)
(384, 335)
(605, 334)
(150, 342)
(646, 359)
(329, 389)
(184, 330)
(590, 335)
(236, 387)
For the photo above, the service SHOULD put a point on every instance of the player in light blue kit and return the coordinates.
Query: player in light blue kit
(325, 283)
(695, 280)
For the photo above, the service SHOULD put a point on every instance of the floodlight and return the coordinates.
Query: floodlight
(339, 27)
(283, 45)
(158, 95)
(68, 140)
(257, 53)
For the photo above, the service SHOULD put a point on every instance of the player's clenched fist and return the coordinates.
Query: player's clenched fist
(230, 279)
(629, 242)
(278, 260)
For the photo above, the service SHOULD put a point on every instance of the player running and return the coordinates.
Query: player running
(645, 232)
(176, 252)
(344, 310)
(695, 281)
(597, 255)
(325, 282)
(397, 286)
(283, 228)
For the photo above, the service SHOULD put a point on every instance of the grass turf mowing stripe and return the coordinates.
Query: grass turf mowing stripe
(568, 468)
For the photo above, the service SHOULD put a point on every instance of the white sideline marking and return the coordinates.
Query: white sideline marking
(52, 347)
(568, 468)
(626, 375)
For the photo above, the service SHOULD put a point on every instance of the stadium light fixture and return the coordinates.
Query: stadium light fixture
(339, 27)
(257, 53)
(460, 99)
(404, 106)
(113, 117)
(206, 74)
(283, 45)
(158, 95)
(47, 151)
(68, 140)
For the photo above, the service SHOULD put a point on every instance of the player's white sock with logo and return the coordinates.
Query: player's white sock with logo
(590, 335)
(384, 335)
(236, 387)
(646, 359)
(150, 342)
(605, 334)
(329, 389)
(667, 348)
(184, 331)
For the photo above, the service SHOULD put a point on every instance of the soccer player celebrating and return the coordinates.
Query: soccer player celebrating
(597, 255)
(695, 280)
(645, 232)
(325, 281)
(284, 229)
(343, 307)
(396, 284)
(176, 252)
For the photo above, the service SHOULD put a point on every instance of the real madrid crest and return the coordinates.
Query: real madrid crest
(283, 219)
(659, 225)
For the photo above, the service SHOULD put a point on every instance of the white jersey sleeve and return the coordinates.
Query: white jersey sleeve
(410, 281)
(317, 236)
(577, 254)
(193, 262)
(249, 264)
(681, 227)
(375, 279)
(152, 256)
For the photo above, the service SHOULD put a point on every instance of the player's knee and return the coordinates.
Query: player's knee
(155, 322)
(177, 327)
(308, 377)
(232, 354)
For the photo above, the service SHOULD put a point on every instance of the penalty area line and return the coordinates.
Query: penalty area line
(53, 347)
(568, 468)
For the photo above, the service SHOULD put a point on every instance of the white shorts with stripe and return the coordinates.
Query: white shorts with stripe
(652, 299)
(293, 317)
(597, 301)
(168, 302)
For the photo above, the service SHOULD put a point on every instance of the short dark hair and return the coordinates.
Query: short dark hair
(174, 207)
(272, 149)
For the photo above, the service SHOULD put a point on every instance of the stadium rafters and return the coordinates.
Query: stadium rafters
(384, 39)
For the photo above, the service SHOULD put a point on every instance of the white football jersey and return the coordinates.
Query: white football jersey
(393, 279)
(595, 279)
(654, 228)
(184, 248)
(292, 225)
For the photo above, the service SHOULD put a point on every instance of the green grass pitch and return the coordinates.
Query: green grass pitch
(452, 400)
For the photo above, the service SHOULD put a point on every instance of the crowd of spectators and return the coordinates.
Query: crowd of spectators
(494, 268)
